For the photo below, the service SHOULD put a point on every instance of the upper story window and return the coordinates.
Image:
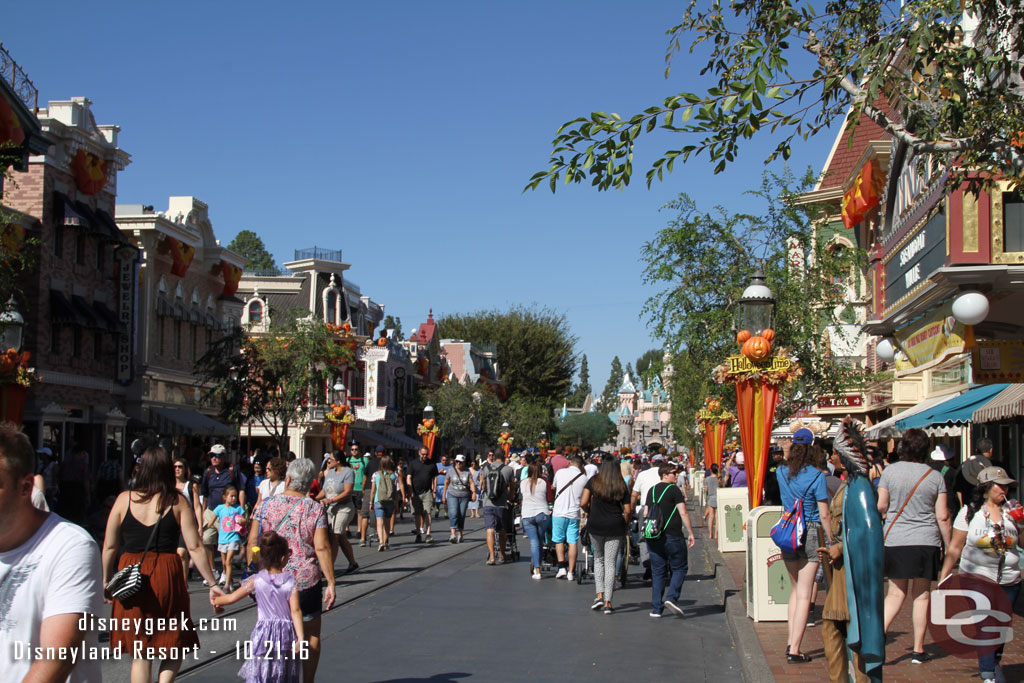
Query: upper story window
(331, 307)
(334, 303)
(1013, 222)
(256, 312)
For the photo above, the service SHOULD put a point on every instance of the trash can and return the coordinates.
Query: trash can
(732, 517)
(697, 479)
(767, 582)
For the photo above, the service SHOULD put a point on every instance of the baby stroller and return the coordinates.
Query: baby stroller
(585, 559)
(511, 514)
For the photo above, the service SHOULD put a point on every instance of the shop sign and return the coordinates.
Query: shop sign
(738, 364)
(934, 336)
(126, 267)
(996, 362)
(916, 259)
(942, 379)
(854, 401)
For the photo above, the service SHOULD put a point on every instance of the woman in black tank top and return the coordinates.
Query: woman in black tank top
(164, 593)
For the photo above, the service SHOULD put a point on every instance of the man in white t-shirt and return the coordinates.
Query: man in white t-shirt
(568, 485)
(592, 467)
(49, 581)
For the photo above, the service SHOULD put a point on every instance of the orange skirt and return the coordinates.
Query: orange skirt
(163, 596)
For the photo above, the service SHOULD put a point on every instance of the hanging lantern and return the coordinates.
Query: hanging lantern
(756, 306)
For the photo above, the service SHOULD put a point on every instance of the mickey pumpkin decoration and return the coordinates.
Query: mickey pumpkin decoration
(90, 171)
(383, 341)
(756, 348)
(742, 336)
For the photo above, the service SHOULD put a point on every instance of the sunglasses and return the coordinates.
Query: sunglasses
(179, 467)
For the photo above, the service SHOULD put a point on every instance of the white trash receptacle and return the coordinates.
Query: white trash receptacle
(767, 582)
(731, 519)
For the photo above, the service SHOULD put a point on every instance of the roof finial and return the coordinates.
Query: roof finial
(430, 316)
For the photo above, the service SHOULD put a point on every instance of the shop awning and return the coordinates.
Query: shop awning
(888, 427)
(1006, 404)
(405, 441)
(368, 437)
(88, 313)
(955, 411)
(62, 312)
(173, 421)
(108, 316)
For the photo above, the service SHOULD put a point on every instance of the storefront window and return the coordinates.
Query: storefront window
(1013, 222)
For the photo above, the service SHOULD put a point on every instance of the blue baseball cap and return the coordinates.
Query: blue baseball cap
(803, 436)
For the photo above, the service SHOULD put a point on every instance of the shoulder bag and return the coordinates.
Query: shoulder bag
(127, 582)
(902, 507)
(788, 533)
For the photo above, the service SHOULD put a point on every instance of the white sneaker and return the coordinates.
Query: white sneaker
(535, 577)
(223, 579)
(561, 573)
(569, 576)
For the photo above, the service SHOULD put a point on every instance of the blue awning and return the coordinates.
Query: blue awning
(958, 410)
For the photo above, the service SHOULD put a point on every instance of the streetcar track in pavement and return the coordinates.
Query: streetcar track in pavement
(470, 545)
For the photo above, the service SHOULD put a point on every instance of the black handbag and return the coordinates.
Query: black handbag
(127, 582)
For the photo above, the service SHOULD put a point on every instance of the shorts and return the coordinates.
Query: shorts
(912, 562)
(364, 507)
(311, 601)
(383, 510)
(210, 536)
(565, 530)
(233, 546)
(494, 518)
(423, 503)
(357, 499)
(809, 550)
(340, 516)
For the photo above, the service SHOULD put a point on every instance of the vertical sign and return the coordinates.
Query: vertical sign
(126, 269)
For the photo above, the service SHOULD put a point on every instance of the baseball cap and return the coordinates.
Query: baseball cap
(217, 449)
(460, 458)
(658, 458)
(45, 450)
(996, 474)
(739, 455)
(803, 436)
(379, 449)
(973, 467)
(942, 453)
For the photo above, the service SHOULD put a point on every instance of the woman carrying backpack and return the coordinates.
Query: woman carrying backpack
(382, 493)
(800, 480)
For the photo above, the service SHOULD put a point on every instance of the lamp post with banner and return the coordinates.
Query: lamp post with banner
(428, 429)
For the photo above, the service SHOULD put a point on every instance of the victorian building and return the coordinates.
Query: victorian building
(186, 302)
(79, 300)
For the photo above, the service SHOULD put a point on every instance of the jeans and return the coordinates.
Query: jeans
(457, 511)
(667, 552)
(536, 528)
(606, 552)
(987, 663)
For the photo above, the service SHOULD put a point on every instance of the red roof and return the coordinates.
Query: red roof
(848, 152)
(426, 330)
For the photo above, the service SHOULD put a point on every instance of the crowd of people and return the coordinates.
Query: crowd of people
(936, 516)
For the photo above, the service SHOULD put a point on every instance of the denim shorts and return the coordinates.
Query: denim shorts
(565, 530)
(383, 510)
(809, 550)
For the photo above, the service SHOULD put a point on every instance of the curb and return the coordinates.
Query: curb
(753, 663)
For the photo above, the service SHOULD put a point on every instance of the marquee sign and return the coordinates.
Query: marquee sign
(914, 259)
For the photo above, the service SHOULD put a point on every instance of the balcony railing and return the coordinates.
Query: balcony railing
(318, 253)
(19, 81)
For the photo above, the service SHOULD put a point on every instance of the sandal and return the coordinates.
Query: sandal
(798, 658)
(491, 563)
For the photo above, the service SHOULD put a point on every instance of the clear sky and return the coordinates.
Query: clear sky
(402, 133)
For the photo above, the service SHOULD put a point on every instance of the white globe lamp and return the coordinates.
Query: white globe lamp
(970, 308)
(885, 350)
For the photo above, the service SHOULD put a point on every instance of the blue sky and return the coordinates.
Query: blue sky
(401, 133)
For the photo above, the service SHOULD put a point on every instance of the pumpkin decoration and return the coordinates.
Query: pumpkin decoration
(756, 348)
(768, 334)
(90, 171)
(742, 336)
(714, 405)
(383, 341)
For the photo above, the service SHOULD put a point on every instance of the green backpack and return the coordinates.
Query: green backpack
(654, 521)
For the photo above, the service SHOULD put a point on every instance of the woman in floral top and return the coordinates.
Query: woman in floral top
(303, 523)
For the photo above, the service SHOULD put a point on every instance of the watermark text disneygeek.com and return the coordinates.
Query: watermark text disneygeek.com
(148, 625)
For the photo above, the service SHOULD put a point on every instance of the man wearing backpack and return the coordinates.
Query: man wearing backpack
(568, 484)
(497, 480)
(662, 528)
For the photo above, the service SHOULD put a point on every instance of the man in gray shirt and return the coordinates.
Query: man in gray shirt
(497, 479)
(336, 495)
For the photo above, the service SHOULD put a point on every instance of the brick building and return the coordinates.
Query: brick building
(79, 300)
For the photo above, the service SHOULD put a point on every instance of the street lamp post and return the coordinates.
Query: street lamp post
(428, 429)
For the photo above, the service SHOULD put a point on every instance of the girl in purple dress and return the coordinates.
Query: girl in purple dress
(275, 651)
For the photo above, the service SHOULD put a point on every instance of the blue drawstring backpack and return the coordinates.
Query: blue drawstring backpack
(788, 533)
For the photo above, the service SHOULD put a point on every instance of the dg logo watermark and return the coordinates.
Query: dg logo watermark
(971, 616)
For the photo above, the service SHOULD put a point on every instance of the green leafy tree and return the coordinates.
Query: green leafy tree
(272, 379)
(610, 395)
(629, 371)
(582, 389)
(648, 365)
(586, 430)
(703, 262)
(464, 414)
(257, 259)
(536, 351)
(392, 323)
(528, 418)
(943, 77)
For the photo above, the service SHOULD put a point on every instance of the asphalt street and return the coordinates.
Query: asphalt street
(438, 613)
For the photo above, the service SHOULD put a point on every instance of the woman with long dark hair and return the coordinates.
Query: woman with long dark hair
(912, 498)
(536, 520)
(188, 488)
(605, 501)
(800, 479)
(154, 509)
(985, 542)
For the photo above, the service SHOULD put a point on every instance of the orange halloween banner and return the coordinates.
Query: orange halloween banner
(339, 433)
(182, 255)
(428, 441)
(232, 274)
(755, 404)
(90, 171)
(10, 127)
(864, 195)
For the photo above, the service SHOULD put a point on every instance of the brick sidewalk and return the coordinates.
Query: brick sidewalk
(898, 667)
